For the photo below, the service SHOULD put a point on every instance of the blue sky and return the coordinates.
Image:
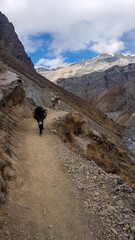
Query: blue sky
(69, 56)
(58, 32)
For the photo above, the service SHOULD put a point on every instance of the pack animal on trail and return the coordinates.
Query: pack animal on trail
(40, 114)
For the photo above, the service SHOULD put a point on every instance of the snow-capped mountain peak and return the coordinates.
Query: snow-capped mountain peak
(99, 63)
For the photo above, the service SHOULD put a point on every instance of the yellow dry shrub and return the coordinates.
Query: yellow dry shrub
(70, 146)
(90, 133)
(127, 179)
(70, 125)
(1, 155)
(111, 141)
(120, 151)
(93, 147)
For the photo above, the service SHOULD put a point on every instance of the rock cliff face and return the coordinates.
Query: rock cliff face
(11, 89)
(111, 90)
(10, 43)
(128, 115)
(12, 94)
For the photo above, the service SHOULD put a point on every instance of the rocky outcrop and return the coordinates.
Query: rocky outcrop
(116, 99)
(12, 93)
(33, 96)
(128, 115)
(11, 89)
(10, 43)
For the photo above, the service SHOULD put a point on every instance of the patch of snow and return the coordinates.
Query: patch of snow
(70, 64)
(36, 67)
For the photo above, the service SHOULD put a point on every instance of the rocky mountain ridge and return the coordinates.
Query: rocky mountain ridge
(100, 64)
(10, 43)
(112, 90)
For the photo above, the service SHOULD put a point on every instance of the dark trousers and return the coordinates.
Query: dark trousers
(40, 124)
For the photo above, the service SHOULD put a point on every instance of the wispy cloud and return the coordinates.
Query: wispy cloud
(31, 46)
(52, 63)
(111, 46)
(74, 25)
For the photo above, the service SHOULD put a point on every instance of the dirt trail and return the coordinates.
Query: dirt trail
(40, 202)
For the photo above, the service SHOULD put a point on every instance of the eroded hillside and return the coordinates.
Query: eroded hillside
(54, 186)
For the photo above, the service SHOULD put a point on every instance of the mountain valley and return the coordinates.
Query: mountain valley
(76, 181)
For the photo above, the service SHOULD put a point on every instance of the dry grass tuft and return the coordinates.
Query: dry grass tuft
(112, 159)
(102, 160)
(120, 151)
(111, 142)
(1, 155)
(90, 133)
(70, 125)
(105, 152)
(93, 147)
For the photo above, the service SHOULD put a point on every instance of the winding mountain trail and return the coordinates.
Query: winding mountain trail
(55, 193)
(40, 202)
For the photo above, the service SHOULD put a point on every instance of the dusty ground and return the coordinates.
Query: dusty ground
(40, 203)
(57, 194)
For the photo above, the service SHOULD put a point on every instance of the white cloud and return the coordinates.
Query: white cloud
(112, 46)
(51, 63)
(74, 25)
(31, 46)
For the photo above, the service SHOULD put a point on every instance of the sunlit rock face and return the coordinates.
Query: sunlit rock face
(11, 89)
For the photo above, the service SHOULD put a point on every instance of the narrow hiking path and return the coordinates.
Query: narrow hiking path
(40, 203)
(58, 194)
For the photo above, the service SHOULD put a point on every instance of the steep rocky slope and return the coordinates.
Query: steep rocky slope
(42, 88)
(128, 115)
(68, 98)
(53, 184)
(112, 90)
(98, 64)
(12, 94)
(9, 41)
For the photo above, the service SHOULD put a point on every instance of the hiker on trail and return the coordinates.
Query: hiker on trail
(40, 114)
(55, 102)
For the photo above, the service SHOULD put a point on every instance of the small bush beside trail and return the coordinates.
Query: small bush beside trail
(70, 125)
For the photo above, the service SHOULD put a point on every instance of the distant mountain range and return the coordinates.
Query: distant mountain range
(111, 91)
(99, 64)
